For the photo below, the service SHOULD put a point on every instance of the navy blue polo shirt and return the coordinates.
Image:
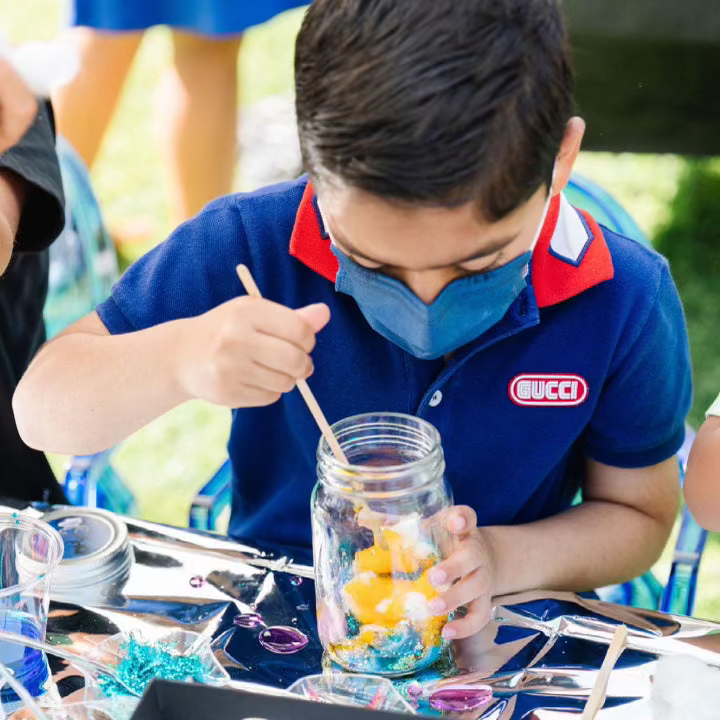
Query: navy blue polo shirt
(591, 361)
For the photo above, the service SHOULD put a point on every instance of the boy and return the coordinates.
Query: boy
(438, 138)
(701, 479)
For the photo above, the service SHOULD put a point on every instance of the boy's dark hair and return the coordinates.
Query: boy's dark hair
(434, 102)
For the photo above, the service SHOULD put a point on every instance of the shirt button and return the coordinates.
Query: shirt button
(436, 399)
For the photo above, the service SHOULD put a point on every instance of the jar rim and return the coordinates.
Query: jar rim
(379, 473)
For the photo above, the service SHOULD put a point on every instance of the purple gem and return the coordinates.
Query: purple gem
(282, 639)
(295, 580)
(414, 689)
(461, 698)
(197, 581)
(248, 620)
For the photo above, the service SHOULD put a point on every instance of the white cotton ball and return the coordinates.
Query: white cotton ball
(408, 527)
(416, 607)
(685, 688)
(44, 66)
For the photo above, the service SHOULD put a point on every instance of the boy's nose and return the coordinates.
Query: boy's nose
(427, 285)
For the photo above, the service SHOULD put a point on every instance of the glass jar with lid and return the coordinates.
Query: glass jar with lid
(378, 529)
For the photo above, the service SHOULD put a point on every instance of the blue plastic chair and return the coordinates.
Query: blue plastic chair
(83, 264)
(83, 269)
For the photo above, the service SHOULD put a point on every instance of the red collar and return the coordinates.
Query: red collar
(571, 255)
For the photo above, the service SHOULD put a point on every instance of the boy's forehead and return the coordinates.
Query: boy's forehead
(395, 234)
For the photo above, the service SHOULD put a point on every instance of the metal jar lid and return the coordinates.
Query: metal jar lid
(97, 551)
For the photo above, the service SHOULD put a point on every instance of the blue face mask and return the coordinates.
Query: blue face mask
(463, 311)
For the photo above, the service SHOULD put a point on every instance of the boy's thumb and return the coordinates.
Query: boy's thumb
(316, 316)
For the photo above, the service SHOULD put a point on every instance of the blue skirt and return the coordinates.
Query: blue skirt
(209, 17)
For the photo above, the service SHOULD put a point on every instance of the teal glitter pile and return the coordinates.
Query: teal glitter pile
(141, 662)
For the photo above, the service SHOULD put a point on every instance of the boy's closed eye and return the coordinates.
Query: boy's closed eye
(474, 267)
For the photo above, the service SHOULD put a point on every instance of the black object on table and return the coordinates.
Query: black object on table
(165, 700)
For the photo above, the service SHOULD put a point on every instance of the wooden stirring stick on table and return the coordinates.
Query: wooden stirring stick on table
(599, 691)
(251, 288)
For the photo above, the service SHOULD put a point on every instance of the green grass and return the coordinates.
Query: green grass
(170, 459)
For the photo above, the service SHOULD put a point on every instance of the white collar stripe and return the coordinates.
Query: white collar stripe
(572, 236)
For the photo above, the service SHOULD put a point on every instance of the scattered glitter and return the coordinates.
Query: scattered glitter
(141, 662)
(295, 580)
(248, 620)
(283, 640)
(303, 608)
(414, 689)
(461, 698)
(197, 581)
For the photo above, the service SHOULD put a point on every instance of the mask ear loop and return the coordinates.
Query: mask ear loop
(546, 209)
(325, 224)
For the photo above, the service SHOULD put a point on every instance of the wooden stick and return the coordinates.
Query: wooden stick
(599, 691)
(251, 288)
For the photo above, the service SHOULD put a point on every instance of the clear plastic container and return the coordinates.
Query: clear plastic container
(30, 550)
(377, 531)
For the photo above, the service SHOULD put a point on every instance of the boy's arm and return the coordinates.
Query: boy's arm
(617, 532)
(630, 488)
(87, 390)
(702, 481)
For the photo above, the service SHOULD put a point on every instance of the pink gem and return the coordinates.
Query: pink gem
(414, 689)
(461, 698)
(248, 620)
(283, 640)
(197, 581)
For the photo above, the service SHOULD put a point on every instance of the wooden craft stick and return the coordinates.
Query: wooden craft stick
(599, 691)
(251, 288)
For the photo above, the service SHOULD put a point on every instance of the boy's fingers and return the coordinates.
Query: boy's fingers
(474, 586)
(281, 356)
(316, 316)
(264, 378)
(467, 558)
(461, 520)
(256, 397)
(478, 616)
(278, 321)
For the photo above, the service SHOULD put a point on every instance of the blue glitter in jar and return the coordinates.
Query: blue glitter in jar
(141, 662)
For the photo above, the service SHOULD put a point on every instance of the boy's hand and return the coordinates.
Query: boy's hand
(248, 351)
(471, 569)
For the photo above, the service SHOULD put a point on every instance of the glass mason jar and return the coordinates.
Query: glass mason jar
(377, 530)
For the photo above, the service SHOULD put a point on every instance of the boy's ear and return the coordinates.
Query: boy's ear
(569, 150)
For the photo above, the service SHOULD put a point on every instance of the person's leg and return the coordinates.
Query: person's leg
(198, 108)
(84, 107)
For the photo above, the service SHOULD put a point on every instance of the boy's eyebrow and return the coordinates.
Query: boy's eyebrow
(492, 249)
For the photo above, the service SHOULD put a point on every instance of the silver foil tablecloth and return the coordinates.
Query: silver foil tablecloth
(540, 653)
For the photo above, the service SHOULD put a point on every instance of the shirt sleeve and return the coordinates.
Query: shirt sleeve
(190, 273)
(35, 160)
(714, 409)
(640, 417)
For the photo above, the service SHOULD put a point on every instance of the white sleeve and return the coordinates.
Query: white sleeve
(714, 408)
